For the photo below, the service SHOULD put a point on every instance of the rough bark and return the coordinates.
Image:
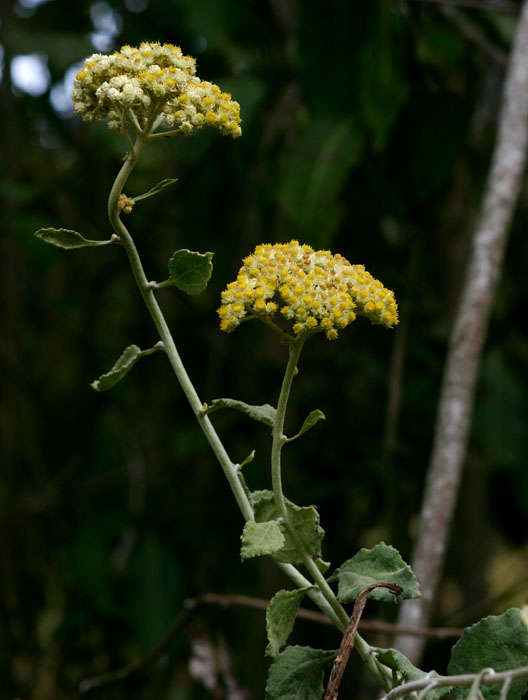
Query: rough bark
(467, 338)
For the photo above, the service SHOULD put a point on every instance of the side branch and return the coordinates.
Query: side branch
(467, 338)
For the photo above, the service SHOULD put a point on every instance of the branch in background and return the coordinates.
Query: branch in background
(472, 33)
(191, 605)
(497, 5)
(467, 337)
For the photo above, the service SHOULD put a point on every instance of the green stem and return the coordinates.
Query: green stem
(212, 437)
(151, 303)
(324, 598)
(279, 439)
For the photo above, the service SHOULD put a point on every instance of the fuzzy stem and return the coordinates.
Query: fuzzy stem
(279, 439)
(159, 320)
(147, 292)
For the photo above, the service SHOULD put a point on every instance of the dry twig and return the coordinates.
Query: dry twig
(347, 643)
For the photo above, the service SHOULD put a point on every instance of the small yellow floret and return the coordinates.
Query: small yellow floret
(323, 292)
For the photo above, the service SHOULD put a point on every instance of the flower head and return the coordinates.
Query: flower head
(313, 289)
(154, 79)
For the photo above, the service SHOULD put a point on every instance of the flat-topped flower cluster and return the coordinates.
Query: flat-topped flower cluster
(313, 289)
(154, 80)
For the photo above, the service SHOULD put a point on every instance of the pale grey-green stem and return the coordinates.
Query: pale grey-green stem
(324, 598)
(364, 650)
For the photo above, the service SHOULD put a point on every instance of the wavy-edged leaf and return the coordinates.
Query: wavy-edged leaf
(121, 368)
(263, 413)
(162, 184)
(280, 617)
(305, 520)
(65, 238)
(499, 642)
(260, 538)
(368, 566)
(297, 674)
(396, 661)
(313, 418)
(189, 271)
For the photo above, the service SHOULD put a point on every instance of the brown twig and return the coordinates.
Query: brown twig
(503, 6)
(467, 338)
(347, 643)
(473, 34)
(191, 605)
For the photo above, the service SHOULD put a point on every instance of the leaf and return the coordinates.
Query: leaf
(122, 367)
(64, 238)
(398, 662)
(297, 674)
(368, 566)
(305, 520)
(166, 182)
(264, 413)
(499, 642)
(260, 538)
(322, 565)
(189, 271)
(313, 418)
(280, 618)
(248, 460)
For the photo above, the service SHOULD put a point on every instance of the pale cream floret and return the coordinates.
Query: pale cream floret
(152, 77)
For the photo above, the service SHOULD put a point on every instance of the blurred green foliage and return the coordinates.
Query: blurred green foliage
(368, 129)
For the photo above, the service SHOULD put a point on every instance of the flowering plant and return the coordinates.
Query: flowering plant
(151, 92)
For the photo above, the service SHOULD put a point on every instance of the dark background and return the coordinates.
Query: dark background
(368, 129)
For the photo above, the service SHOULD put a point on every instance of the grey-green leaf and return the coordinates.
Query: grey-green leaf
(248, 460)
(398, 662)
(124, 364)
(64, 238)
(499, 642)
(157, 188)
(368, 566)
(260, 538)
(280, 618)
(297, 674)
(322, 565)
(305, 520)
(313, 418)
(189, 271)
(264, 413)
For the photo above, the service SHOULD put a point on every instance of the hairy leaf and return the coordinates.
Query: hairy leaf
(368, 566)
(264, 413)
(64, 238)
(398, 662)
(122, 367)
(162, 184)
(189, 271)
(313, 418)
(322, 565)
(499, 642)
(280, 618)
(260, 538)
(297, 674)
(305, 520)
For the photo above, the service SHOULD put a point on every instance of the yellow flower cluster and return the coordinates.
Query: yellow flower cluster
(313, 289)
(154, 79)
